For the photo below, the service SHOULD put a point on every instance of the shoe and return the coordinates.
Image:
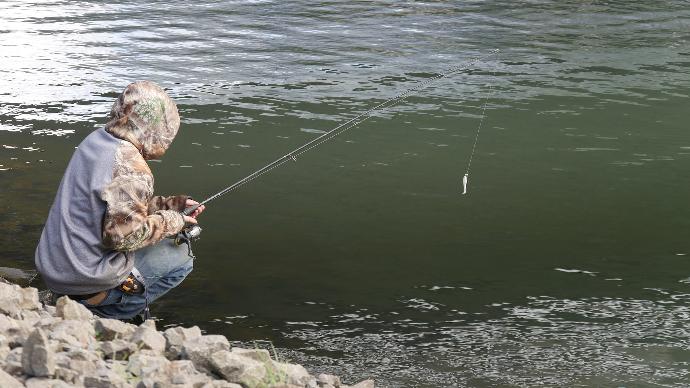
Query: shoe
(135, 320)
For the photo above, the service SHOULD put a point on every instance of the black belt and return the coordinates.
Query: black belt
(84, 297)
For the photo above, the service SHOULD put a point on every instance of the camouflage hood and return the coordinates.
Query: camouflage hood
(145, 116)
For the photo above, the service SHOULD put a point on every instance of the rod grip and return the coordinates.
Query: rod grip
(190, 210)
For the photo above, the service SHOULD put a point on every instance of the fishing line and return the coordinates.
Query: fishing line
(353, 122)
(466, 177)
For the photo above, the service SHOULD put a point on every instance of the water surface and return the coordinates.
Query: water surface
(567, 263)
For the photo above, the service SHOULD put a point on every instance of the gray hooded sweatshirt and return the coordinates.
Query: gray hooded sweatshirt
(105, 209)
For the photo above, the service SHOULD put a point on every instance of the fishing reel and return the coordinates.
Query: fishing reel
(188, 234)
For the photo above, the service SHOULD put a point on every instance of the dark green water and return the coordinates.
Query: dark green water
(564, 266)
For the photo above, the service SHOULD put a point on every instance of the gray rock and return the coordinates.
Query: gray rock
(364, 384)
(7, 324)
(151, 368)
(50, 310)
(28, 299)
(199, 350)
(66, 308)
(150, 323)
(83, 361)
(294, 374)
(14, 330)
(176, 336)
(108, 379)
(325, 379)
(112, 375)
(238, 369)
(13, 361)
(76, 334)
(37, 357)
(42, 382)
(56, 346)
(62, 359)
(47, 322)
(3, 354)
(8, 381)
(110, 329)
(44, 314)
(146, 337)
(182, 366)
(71, 376)
(255, 354)
(182, 372)
(68, 358)
(221, 384)
(117, 349)
(30, 315)
(10, 299)
(148, 363)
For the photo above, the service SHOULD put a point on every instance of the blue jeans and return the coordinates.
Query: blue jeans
(163, 266)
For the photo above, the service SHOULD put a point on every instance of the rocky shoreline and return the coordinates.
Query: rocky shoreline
(66, 345)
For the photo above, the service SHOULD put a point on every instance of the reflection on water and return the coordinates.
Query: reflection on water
(562, 265)
(547, 341)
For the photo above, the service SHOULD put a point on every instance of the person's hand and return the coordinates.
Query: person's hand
(195, 214)
(190, 220)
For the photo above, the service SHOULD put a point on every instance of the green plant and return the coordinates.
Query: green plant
(274, 374)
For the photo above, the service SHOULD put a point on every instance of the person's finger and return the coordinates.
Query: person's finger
(198, 211)
(189, 220)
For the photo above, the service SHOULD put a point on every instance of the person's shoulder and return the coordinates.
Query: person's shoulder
(126, 148)
(99, 139)
(128, 160)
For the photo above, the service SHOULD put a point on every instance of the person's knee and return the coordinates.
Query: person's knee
(188, 266)
(181, 271)
(164, 284)
(162, 259)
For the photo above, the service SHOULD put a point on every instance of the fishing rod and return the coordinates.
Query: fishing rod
(349, 124)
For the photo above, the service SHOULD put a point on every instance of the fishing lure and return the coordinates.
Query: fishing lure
(466, 177)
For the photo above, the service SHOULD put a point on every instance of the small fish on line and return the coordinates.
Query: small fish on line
(466, 178)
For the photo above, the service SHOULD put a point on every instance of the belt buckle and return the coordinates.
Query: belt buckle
(132, 285)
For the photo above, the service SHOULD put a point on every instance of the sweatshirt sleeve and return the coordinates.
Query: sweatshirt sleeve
(127, 224)
(175, 202)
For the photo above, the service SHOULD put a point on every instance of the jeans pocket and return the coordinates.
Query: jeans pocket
(114, 296)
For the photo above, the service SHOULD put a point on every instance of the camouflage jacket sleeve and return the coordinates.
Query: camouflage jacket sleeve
(128, 224)
(175, 202)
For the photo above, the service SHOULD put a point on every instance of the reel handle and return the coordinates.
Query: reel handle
(188, 234)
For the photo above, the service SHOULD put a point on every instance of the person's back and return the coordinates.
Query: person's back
(71, 256)
(105, 235)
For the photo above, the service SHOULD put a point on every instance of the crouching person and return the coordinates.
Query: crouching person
(105, 242)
